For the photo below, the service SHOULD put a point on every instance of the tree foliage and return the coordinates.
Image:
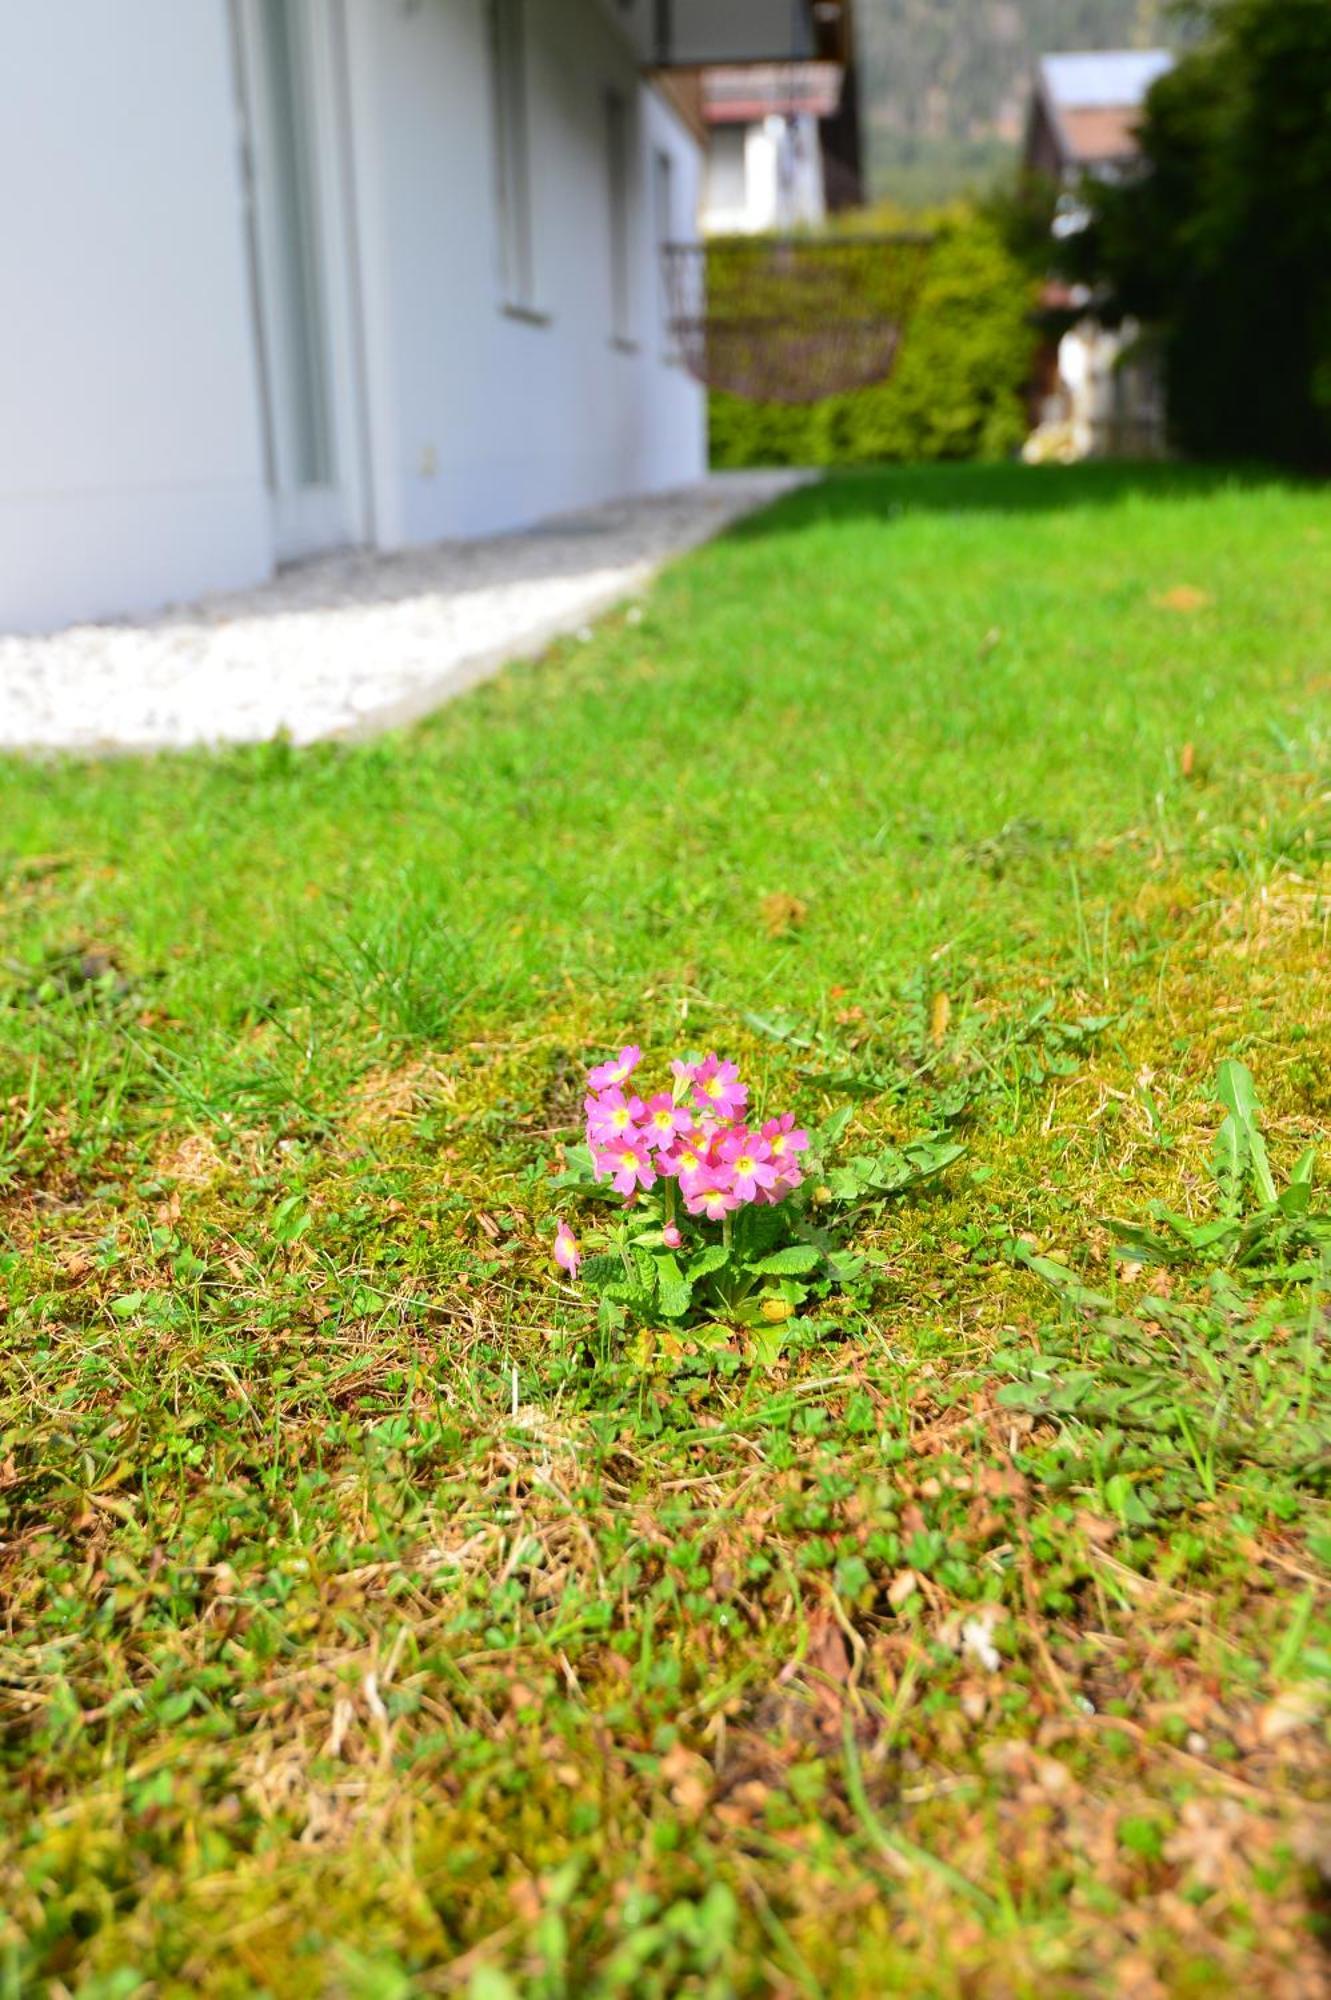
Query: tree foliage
(1225, 241)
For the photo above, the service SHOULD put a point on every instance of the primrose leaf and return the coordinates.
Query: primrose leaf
(598, 1272)
(789, 1262)
(710, 1258)
(674, 1290)
(634, 1288)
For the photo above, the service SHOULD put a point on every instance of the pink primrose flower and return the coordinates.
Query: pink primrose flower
(671, 1237)
(783, 1139)
(712, 1195)
(689, 1159)
(665, 1120)
(717, 1087)
(612, 1116)
(618, 1071)
(784, 1184)
(628, 1164)
(746, 1155)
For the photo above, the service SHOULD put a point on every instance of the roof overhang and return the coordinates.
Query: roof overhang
(741, 94)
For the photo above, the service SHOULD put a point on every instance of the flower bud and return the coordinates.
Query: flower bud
(568, 1251)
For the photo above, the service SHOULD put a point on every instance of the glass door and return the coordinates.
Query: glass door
(291, 77)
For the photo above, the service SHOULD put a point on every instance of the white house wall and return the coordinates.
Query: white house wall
(480, 419)
(132, 470)
(131, 466)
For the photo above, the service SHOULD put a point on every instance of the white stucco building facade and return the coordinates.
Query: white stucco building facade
(287, 275)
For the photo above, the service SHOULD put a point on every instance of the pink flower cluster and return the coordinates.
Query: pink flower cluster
(694, 1135)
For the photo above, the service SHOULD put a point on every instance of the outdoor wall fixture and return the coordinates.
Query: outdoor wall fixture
(793, 319)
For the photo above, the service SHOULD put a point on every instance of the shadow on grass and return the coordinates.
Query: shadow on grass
(893, 493)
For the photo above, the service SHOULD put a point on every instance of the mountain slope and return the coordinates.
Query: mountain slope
(945, 83)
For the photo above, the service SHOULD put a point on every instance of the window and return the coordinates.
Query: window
(508, 70)
(619, 189)
(663, 216)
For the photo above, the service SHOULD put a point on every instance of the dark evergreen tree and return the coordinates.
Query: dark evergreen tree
(1224, 241)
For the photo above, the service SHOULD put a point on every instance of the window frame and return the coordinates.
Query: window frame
(664, 182)
(618, 129)
(511, 144)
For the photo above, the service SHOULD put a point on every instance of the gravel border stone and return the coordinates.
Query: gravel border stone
(352, 643)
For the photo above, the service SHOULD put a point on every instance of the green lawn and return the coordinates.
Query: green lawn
(372, 1622)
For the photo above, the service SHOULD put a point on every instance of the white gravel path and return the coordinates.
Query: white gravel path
(354, 642)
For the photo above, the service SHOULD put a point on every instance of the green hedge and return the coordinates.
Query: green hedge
(957, 390)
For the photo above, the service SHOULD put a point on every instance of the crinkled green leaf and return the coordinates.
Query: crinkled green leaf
(711, 1257)
(791, 1261)
(673, 1289)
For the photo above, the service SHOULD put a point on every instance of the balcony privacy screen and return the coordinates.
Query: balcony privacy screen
(782, 320)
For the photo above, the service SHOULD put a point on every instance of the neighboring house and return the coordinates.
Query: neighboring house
(783, 139)
(1085, 110)
(287, 275)
(1104, 394)
(764, 166)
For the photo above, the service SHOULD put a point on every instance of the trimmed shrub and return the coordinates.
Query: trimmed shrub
(957, 390)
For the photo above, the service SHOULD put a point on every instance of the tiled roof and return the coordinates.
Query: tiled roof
(1093, 138)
